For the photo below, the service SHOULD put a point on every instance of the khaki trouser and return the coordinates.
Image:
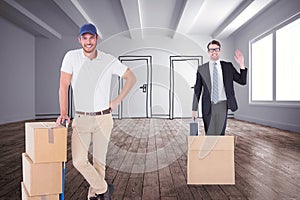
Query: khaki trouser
(95, 130)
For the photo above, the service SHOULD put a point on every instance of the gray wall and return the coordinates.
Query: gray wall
(49, 55)
(17, 73)
(29, 77)
(285, 117)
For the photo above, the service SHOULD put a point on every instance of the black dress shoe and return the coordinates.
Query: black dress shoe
(106, 195)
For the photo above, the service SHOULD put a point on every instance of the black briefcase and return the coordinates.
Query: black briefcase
(194, 128)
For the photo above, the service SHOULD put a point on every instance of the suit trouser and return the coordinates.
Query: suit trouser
(95, 130)
(217, 119)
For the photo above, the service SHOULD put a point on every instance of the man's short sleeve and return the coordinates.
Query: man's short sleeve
(119, 68)
(67, 65)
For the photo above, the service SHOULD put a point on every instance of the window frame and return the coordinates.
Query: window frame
(273, 102)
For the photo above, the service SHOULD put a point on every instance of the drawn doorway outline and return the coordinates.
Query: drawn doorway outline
(172, 59)
(147, 88)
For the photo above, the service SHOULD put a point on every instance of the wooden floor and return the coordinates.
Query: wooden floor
(147, 160)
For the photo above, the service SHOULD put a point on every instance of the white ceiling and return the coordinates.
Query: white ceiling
(56, 18)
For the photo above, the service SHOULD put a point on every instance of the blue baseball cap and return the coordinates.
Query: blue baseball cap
(88, 28)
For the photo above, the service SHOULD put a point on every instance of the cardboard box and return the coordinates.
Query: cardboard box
(46, 142)
(25, 195)
(41, 178)
(211, 160)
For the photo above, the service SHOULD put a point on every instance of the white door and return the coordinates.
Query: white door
(137, 103)
(184, 79)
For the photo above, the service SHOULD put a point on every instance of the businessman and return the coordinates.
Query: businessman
(215, 82)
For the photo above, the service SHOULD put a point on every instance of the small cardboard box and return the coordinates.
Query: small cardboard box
(25, 195)
(46, 142)
(211, 160)
(41, 178)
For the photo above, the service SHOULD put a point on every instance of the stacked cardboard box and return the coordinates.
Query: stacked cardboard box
(46, 149)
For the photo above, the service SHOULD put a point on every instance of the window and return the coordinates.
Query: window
(276, 79)
(262, 69)
(287, 62)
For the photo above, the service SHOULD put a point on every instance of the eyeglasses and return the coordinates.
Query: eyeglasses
(214, 50)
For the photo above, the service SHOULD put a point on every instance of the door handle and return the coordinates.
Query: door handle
(144, 88)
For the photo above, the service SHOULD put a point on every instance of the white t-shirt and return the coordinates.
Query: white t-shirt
(91, 79)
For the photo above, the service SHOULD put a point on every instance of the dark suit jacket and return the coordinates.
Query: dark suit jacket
(203, 81)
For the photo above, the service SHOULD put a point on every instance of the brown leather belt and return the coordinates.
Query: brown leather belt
(102, 112)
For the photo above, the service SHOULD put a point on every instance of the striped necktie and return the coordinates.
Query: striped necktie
(215, 89)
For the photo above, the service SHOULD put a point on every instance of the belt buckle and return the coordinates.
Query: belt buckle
(93, 113)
